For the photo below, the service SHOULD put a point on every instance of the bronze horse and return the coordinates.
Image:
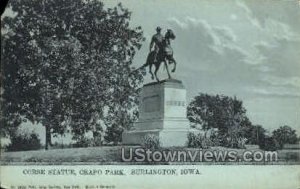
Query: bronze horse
(165, 54)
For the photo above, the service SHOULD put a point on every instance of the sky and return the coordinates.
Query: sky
(248, 49)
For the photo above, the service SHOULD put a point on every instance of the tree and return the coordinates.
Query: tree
(64, 64)
(227, 114)
(285, 135)
(117, 119)
(24, 141)
(256, 135)
(269, 144)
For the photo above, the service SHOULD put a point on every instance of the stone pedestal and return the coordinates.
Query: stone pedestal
(162, 112)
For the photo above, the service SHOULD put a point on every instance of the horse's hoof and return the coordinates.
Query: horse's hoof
(152, 77)
(173, 70)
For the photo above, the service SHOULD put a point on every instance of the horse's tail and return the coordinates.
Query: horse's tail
(148, 62)
(141, 67)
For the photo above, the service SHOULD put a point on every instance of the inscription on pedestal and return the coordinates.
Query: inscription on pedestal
(151, 103)
(175, 103)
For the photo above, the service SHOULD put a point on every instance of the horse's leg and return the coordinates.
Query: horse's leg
(156, 69)
(174, 61)
(167, 67)
(149, 63)
(150, 71)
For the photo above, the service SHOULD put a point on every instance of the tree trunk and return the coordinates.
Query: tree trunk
(95, 134)
(48, 137)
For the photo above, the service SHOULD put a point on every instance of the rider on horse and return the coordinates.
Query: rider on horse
(162, 52)
(157, 42)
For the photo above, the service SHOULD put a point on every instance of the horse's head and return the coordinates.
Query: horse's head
(170, 34)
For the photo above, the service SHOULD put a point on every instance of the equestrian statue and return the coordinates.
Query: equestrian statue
(161, 52)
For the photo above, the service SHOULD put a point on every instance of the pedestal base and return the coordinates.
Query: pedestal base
(167, 138)
(162, 112)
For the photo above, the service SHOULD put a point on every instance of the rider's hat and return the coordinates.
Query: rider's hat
(158, 28)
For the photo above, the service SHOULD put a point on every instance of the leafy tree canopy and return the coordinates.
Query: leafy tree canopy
(217, 111)
(225, 113)
(285, 135)
(67, 63)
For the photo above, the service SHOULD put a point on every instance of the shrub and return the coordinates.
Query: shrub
(83, 142)
(233, 141)
(292, 156)
(199, 141)
(97, 140)
(270, 144)
(151, 141)
(193, 140)
(215, 138)
(24, 142)
(58, 145)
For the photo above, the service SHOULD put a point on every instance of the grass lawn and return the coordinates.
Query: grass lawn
(98, 155)
(112, 155)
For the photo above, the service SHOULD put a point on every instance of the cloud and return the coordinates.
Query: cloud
(282, 59)
(212, 55)
(221, 50)
(253, 20)
(283, 81)
(220, 37)
(277, 92)
(269, 29)
(233, 17)
(275, 28)
(279, 30)
(178, 22)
